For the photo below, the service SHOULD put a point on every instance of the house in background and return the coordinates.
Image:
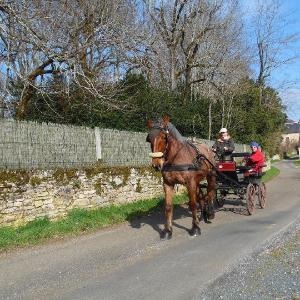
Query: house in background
(291, 137)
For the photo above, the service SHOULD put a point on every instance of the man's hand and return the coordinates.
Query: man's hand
(225, 148)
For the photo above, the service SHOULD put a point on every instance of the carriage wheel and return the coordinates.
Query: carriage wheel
(250, 198)
(220, 198)
(262, 193)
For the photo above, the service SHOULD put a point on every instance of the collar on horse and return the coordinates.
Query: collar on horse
(195, 166)
(188, 167)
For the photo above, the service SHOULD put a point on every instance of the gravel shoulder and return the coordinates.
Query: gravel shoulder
(271, 272)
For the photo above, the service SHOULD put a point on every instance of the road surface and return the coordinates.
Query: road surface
(131, 262)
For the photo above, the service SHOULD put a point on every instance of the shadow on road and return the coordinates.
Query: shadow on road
(236, 206)
(156, 218)
(291, 158)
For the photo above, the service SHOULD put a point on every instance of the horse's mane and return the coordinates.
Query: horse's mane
(203, 148)
(175, 133)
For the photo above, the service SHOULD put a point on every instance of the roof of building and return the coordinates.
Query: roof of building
(290, 121)
(292, 127)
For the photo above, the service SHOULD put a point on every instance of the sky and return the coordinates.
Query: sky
(286, 79)
(291, 95)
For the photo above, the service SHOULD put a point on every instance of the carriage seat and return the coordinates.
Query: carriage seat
(260, 173)
(243, 168)
(228, 166)
(256, 175)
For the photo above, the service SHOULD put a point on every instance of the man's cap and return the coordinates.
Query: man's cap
(223, 130)
(254, 144)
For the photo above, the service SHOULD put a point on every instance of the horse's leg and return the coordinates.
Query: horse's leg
(169, 192)
(202, 205)
(193, 190)
(211, 190)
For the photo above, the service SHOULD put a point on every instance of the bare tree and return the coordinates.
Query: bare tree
(195, 39)
(274, 44)
(89, 43)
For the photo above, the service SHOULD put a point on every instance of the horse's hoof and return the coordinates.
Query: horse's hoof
(195, 231)
(211, 215)
(166, 235)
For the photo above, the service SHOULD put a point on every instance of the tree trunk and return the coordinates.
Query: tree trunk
(173, 70)
(29, 88)
(1, 109)
(209, 120)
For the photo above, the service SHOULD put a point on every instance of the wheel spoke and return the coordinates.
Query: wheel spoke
(262, 195)
(250, 198)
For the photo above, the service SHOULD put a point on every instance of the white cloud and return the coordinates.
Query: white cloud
(291, 98)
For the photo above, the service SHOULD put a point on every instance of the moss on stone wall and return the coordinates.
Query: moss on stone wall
(17, 177)
(98, 186)
(35, 181)
(138, 186)
(64, 176)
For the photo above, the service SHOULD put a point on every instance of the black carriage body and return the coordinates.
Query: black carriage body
(234, 178)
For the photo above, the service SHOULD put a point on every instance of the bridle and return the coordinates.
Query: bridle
(165, 130)
(167, 167)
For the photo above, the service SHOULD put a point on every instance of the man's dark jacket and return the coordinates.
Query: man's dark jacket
(219, 145)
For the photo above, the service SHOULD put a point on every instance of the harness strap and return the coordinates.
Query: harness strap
(170, 167)
(199, 155)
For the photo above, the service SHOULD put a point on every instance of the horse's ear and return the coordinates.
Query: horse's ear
(166, 120)
(150, 123)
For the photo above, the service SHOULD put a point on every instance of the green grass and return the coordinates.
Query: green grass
(78, 221)
(275, 161)
(270, 174)
(297, 162)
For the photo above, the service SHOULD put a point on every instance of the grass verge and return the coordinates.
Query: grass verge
(270, 174)
(78, 221)
(297, 162)
(273, 161)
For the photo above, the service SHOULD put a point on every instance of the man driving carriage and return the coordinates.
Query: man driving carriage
(224, 145)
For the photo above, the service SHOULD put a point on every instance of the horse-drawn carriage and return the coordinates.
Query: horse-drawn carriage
(182, 162)
(235, 181)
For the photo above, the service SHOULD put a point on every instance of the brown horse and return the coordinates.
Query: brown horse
(181, 162)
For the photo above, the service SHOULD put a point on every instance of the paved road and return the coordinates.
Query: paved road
(130, 261)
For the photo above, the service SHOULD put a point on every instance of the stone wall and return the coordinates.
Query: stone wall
(25, 196)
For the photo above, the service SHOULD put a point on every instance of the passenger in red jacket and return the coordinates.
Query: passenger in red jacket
(256, 160)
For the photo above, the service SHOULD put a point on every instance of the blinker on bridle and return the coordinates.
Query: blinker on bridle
(166, 131)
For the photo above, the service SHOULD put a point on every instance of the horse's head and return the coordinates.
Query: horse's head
(158, 138)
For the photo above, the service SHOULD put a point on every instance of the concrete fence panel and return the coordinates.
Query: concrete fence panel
(31, 145)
